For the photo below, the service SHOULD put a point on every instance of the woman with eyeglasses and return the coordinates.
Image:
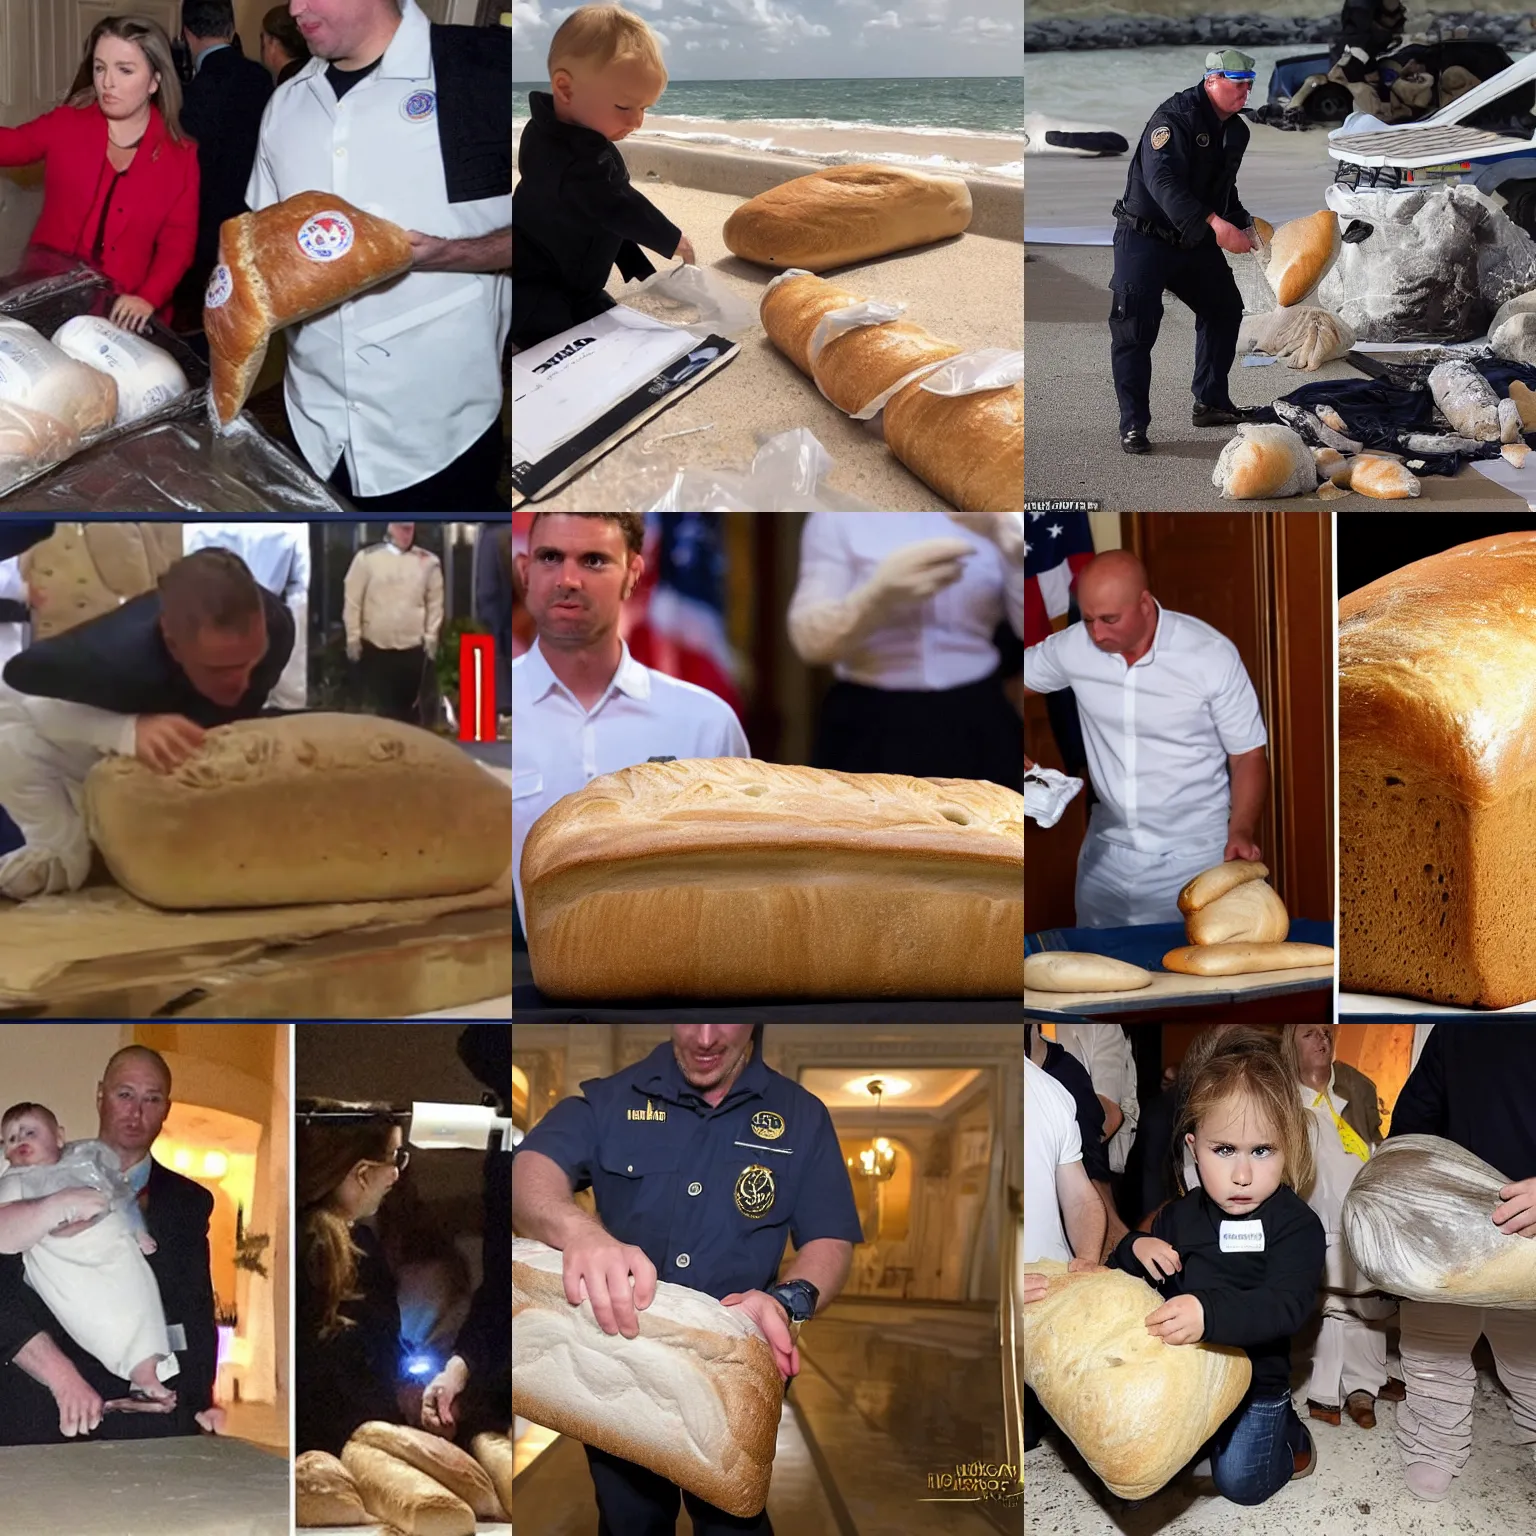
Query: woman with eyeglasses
(348, 1157)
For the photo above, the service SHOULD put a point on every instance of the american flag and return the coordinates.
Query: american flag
(675, 619)
(1057, 545)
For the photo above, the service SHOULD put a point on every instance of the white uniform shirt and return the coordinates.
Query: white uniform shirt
(1051, 1137)
(13, 636)
(1105, 1052)
(406, 376)
(276, 554)
(943, 643)
(558, 747)
(1158, 734)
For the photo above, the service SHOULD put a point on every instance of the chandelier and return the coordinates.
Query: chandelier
(877, 1160)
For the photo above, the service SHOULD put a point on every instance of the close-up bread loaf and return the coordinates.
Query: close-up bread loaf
(1136, 1408)
(720, 878)
(695, 1397)
(302, 809)
(494, 1453)
(455, 1469)
(847, 213)
(396, 1493)
(1437, 777)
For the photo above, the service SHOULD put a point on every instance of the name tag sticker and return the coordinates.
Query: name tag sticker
(1242, 1236)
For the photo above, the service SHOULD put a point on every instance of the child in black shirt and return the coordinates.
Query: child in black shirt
(1239, 1259)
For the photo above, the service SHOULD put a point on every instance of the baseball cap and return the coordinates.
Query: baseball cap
(1231, 62)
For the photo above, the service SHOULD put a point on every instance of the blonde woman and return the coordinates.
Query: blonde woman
(1349, 1361)
(120, 178)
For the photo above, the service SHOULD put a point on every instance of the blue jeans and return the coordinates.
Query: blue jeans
(1251, 1454)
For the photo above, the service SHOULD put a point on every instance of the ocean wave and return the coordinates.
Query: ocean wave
(840, 125)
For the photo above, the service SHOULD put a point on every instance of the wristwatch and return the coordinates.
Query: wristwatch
(798, 1298)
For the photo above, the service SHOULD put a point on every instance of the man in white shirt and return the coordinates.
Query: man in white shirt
(396, 395)
(581, 704)
(1175, 744)
(277, 555)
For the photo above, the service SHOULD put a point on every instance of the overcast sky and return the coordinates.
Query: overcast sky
(803, 39)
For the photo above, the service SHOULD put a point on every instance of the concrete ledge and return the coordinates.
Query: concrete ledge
(997, 206)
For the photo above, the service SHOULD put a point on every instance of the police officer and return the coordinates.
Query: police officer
(701, 1160)
(1179, 213)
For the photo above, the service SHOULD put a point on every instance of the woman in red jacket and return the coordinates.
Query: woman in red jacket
(120, 177)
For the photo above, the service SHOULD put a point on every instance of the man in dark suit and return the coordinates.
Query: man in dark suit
(60, 1390)
(221, 108)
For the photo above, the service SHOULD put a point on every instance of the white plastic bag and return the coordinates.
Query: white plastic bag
(1047, 793)
(695, 298)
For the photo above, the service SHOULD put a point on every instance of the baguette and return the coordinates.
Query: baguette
(396, 1493)
(1214, 883)
(1249, 913)
(695, 1397)
(968, 448)
(1240, 959)
(727, 877)
(847, 213)
(494, 1453)
(325, 1493)
(308, 253)
(455, 1469)
(1070, 971)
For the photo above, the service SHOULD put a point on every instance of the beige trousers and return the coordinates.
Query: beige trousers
(1435, 1423)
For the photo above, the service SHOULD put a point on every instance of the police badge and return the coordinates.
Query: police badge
(754, 1191)
(1160, 136)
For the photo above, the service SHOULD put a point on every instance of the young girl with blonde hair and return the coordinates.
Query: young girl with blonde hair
(1238, 1259)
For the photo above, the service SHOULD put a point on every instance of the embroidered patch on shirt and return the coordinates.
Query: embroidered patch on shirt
(418, 106)
(1160, 136)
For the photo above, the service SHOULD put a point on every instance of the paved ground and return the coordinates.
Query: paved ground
(1074, 439)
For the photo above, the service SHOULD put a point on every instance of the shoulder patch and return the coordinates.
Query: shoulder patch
(1160, 136)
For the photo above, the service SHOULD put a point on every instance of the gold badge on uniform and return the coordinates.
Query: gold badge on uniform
(1160, 136)
(754, 1191)
(1203, 140)
(767, 1125)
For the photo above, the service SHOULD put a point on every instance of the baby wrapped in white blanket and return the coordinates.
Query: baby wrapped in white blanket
(96, 1282)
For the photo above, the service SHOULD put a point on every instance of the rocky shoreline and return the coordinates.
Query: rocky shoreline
(1515, 33)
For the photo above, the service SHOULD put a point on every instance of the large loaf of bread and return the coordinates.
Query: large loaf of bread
(847, 213)
(1138, 1409)
(719, 878)
(37, 376)
(1419, 1222)
(695, 1397)
(1437, 777)
(302, 809)
(325, 1493)
(455, 1469)
(968, 448)
(308, 253)
(403, 1497)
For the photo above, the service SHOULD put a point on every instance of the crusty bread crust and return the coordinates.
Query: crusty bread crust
(776, 881)
(702, 1409)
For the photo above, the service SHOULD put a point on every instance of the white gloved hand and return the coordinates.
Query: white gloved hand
(824, 631)
(1047, 793)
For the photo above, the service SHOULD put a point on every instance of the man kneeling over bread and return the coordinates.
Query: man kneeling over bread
(145, 680)
(1175, 744)
(701, 1159)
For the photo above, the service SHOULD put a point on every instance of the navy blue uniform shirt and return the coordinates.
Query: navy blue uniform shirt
(708, 1194)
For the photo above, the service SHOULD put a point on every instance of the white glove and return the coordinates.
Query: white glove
(1005, 529)
(826, 631)
(1047, 793)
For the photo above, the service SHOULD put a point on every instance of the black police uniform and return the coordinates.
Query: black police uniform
(709, 1195)
(1185, 168)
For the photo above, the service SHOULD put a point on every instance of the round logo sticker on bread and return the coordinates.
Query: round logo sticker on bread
(220, 286)
(327, 236)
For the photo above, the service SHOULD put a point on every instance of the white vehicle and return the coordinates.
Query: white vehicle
(1373, 155)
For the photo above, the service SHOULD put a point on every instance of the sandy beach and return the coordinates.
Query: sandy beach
(967, 289)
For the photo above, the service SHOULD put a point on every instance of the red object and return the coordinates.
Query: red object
(152, 227)
(477, 688)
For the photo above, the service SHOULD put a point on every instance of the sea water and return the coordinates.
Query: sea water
(981, 107)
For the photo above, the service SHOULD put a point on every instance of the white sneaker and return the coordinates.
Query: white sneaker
(1427, 1481)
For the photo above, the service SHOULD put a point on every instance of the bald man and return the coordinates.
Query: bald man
(1174, 738)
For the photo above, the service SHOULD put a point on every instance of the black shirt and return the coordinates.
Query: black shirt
(1061, 1064)
(119, 662)
(575, 212)
(1475, 1084)
(1185, 167)
(1253, 1300)
(342, 80)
